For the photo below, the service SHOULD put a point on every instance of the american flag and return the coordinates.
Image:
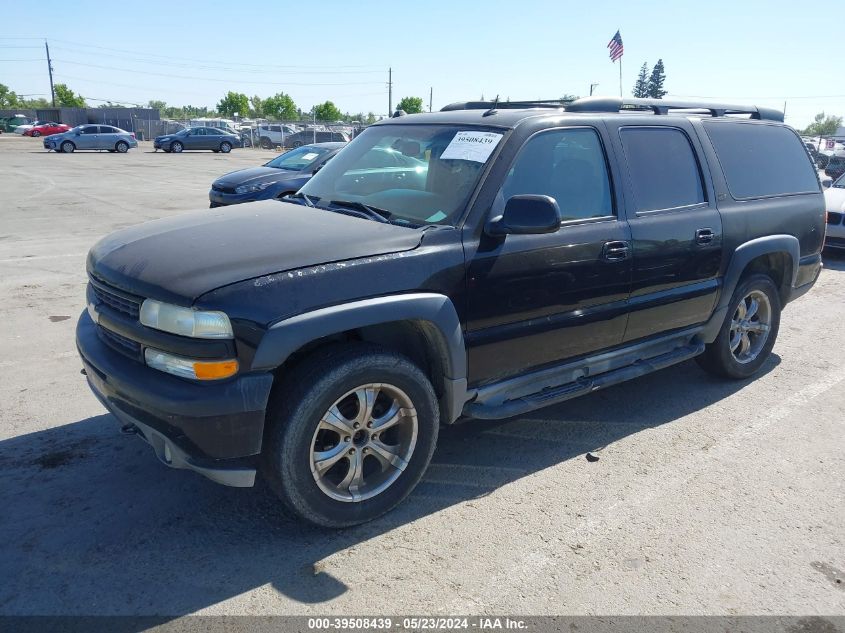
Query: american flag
(615, 46)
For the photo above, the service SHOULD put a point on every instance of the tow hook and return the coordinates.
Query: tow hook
(129, 429)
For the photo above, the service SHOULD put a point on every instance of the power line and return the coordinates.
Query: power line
(229, 80)
(228, 67)
(221, 62)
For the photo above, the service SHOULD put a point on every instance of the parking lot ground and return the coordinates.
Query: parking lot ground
(709, 497)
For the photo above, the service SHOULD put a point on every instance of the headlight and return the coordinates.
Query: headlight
(184, 321)
(164, 138)
(261, 186)
(188, 367)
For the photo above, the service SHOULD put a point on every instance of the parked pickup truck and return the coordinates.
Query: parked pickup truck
(535, 253)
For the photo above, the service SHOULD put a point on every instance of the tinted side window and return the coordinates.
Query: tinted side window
(89, 129)
(275, 128)
(663, 168)
(568, 165)
(211, 131)
(761, 160)
(198, 131)
(105, 129)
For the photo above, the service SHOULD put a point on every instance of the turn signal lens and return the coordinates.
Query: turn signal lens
(189, 367)
(216, 370)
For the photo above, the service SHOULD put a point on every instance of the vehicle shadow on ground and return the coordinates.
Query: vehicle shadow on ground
(91, 523)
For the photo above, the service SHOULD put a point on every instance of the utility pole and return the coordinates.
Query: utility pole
(430, 97)
(389, 92)
(50, 70)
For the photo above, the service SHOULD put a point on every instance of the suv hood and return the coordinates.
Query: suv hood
(181, 258)
(256, 174)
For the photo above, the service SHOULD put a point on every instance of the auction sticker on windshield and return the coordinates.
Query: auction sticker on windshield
(471, 145)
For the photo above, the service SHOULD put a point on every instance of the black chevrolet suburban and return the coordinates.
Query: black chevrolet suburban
(534, 252)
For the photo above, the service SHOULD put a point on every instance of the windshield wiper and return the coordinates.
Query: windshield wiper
(308, 200)
(379, 215)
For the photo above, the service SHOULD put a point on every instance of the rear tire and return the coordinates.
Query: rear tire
(122, 147)
(296, 144)
(265, 143)
(68, 147)
(749, 331)
(362, 481)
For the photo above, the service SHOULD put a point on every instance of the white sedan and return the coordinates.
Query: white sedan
(834, 199)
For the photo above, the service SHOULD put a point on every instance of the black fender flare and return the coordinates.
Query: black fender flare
(434, 311)
(742, 256)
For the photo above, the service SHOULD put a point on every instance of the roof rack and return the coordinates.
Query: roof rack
(618, 104)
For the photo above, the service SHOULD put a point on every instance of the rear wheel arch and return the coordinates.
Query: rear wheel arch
(774, 255)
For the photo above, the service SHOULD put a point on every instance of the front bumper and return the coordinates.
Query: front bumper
(214, 429)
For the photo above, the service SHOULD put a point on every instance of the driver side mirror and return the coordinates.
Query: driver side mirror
(827, 183)
(526, 214)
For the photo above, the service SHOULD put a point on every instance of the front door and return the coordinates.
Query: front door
(535, 300)
(87, 138)
(676, 229)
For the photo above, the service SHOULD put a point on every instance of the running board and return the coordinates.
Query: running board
(581, 386)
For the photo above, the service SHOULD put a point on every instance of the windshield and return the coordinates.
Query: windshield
(420, 174)
(840, 182)
(298, 159)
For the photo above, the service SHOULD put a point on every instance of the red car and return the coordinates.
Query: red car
(46, 129)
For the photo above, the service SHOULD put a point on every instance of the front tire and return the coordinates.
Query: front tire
(36, 134)
(749, 331)
(225, 147)
(68, 147)
(350, 433)
(176, 147)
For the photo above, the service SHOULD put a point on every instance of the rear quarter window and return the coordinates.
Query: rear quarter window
(761, 160)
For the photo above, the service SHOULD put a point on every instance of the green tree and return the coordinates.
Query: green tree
(656, 81)
(371, 118)
(8, 98)
(823, 125)
(641, 86)
(411, 105)
(280, 107)
(161, 106)
(34, 104)
(234, 102)
(257, 106)
(327, 111)
(67, 98)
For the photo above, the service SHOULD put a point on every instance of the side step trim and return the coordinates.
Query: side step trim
(581, 386)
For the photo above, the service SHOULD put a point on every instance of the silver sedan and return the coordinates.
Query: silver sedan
(105, 137)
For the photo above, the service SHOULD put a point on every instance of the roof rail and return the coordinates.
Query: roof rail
(503, 105)
(664, 106)
(618, 104)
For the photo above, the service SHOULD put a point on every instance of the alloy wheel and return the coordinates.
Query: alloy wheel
(750, 326)
(364, 442)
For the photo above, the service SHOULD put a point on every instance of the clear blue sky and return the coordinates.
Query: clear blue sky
(763, 52)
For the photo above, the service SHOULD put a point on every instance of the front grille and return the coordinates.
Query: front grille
(834, 218)
(222, 188)
(120, 302)
(120, 343)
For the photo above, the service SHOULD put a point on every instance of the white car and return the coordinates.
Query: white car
(28, 126)
(834, 199)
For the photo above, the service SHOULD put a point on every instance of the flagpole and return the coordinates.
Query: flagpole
(620, 76)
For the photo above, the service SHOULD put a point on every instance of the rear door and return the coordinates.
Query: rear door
(107, 138)
(676, 229)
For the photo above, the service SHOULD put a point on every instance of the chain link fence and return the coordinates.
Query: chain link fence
(262, 134)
